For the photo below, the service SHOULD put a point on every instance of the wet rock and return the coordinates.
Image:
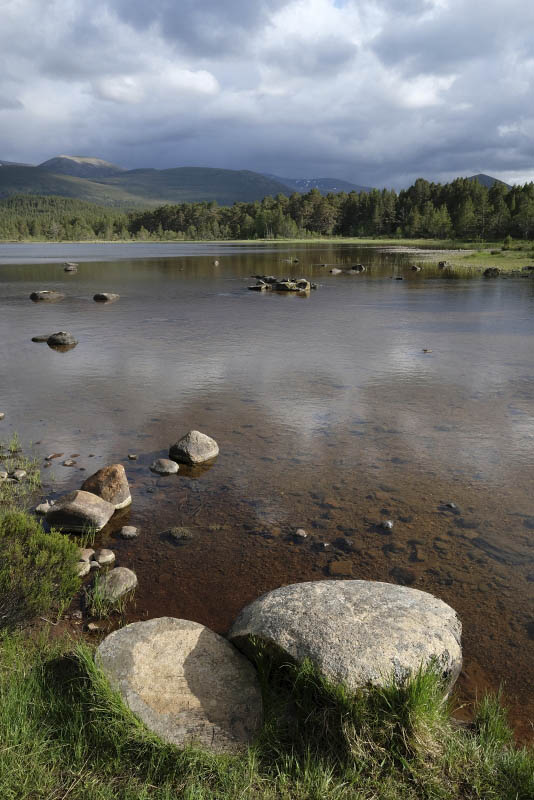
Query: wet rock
(133, 456)
(43, 337)
(194, 448)
(355, 632)
(260, 286)
(117, 583)
(300, 533)
(415, 268)
(492, 272)
(106, 297)
(83, 568)
(19, 474)
(70, 266)
(86, 554)
(164, 466)
(185, 682)
(61, 339)
(335, 271)
(128, 532)
(79, 511)
(387, 525)
(2, 415)
(68, 462)
(111, 484)
(104, 556)
(95, 565)
(46, 296)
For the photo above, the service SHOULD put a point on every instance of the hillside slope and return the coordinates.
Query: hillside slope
(325, 185)
(81, 167)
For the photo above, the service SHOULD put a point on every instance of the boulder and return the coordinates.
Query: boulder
(185, 682)
(61, 339)
(164, 466)
(106, 297)
(492, 272)
(194, 448)
(111, 484)
(117, 583)
(128, 532)
(79, 511)
(355, 632)
(46, 296)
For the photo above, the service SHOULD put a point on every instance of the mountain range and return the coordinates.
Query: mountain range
(103, 183)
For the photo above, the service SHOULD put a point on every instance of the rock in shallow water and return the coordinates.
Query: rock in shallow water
(80, 511)
(129, 532)
(164, 466)
(111, 484)
(356, 632)
(106, 297)
(46, 296)
(194, 448)
(117, 583)
(186, 683)
(61, 339)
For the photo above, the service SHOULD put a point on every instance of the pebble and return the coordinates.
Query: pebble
(3, 475)
(451, 505)
(92, 627)
(43, 508)
(76, 615)
(387, 525)
(133, 456)
(300, 533)
(164, 466)
(180, 534)
(128, 532)
(104, 556)
(68, 462)
(94, 565)
(2, 415)
(19, 474)
(53, 455)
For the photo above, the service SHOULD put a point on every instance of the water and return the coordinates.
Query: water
(328, 414)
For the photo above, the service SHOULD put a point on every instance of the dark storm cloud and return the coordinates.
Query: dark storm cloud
(375, 91)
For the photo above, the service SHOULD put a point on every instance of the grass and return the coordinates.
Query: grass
(37, 569)
(17, 493)
(65, 733)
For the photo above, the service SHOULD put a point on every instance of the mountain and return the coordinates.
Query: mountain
(325, 185)
(13, 164)
(140, 187)
(81, 167)
(487, 180)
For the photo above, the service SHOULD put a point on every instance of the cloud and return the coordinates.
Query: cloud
(374, 91)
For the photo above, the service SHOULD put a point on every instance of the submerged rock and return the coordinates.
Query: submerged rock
(104, 556)
(164, 466)
(111, 484)
(117, 583)
(42, 337)
(61, 339)
(46, 296)
(129, 532)
(185, 682)
(194, 448)
(79, 511)
(356, 632)
(106, 297)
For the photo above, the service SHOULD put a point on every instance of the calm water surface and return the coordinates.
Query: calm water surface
(328, 415)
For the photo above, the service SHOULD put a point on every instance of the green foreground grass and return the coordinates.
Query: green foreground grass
(64, 733)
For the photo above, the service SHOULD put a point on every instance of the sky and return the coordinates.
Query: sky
(377, 92)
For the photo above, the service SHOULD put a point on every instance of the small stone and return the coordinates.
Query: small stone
(104, 556)
(3, 475)
(2, 415)
(106, 297)
(52, 456)
(43, 508)
(164, 466)
(300, 533)
(128, 532)
(92, 627)
(68, 462)
(426, 350)
(86, 553)
(387, 525)
(83, 569)
(194, 448)
(451, 505)
(46, 296)
(133, 456)
(117, 583)
(76, 615)
(19, 474)
(95, 565)
(61, 339)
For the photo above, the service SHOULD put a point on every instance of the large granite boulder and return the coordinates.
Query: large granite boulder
(185, 682)
(79, 511)
(116, 583)
(111, 484)
(356, 632)
(194, 448)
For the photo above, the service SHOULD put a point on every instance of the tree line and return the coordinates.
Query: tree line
(463, 209)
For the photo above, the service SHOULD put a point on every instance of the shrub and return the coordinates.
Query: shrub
(37, 569)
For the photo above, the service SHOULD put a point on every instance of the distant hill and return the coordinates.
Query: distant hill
(325, 185)
(81, 167)
(139, 187)
(487, 180)
(13, 164)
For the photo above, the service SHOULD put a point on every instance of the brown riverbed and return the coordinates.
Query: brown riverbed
(328, 415)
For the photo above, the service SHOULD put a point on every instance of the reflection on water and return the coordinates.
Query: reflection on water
(328, 414)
